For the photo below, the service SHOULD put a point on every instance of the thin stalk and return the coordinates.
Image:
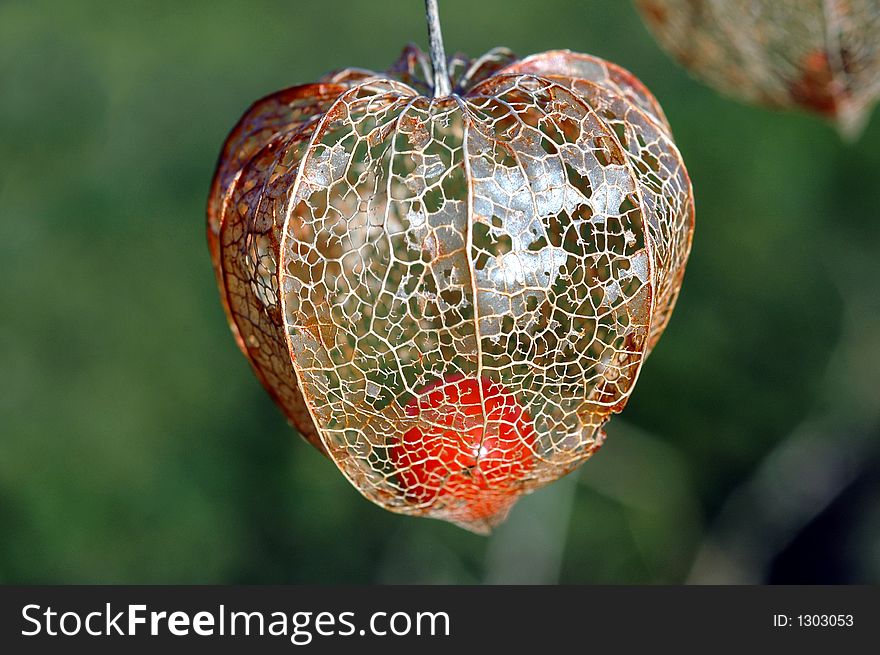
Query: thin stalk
(442, 86)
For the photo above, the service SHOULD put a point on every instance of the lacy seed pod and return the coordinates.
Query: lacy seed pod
(448, 275)
(822, 56)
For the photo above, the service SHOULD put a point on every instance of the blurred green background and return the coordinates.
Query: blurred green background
(137, 447)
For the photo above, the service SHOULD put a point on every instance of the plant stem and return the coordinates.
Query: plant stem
(442, 86)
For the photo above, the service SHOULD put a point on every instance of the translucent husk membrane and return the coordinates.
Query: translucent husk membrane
(450, 296)
(822, 56)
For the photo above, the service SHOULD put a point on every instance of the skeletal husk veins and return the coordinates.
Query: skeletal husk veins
(822, 56)
(520, 243)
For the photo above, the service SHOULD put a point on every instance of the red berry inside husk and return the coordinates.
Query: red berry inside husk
(472, 444)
